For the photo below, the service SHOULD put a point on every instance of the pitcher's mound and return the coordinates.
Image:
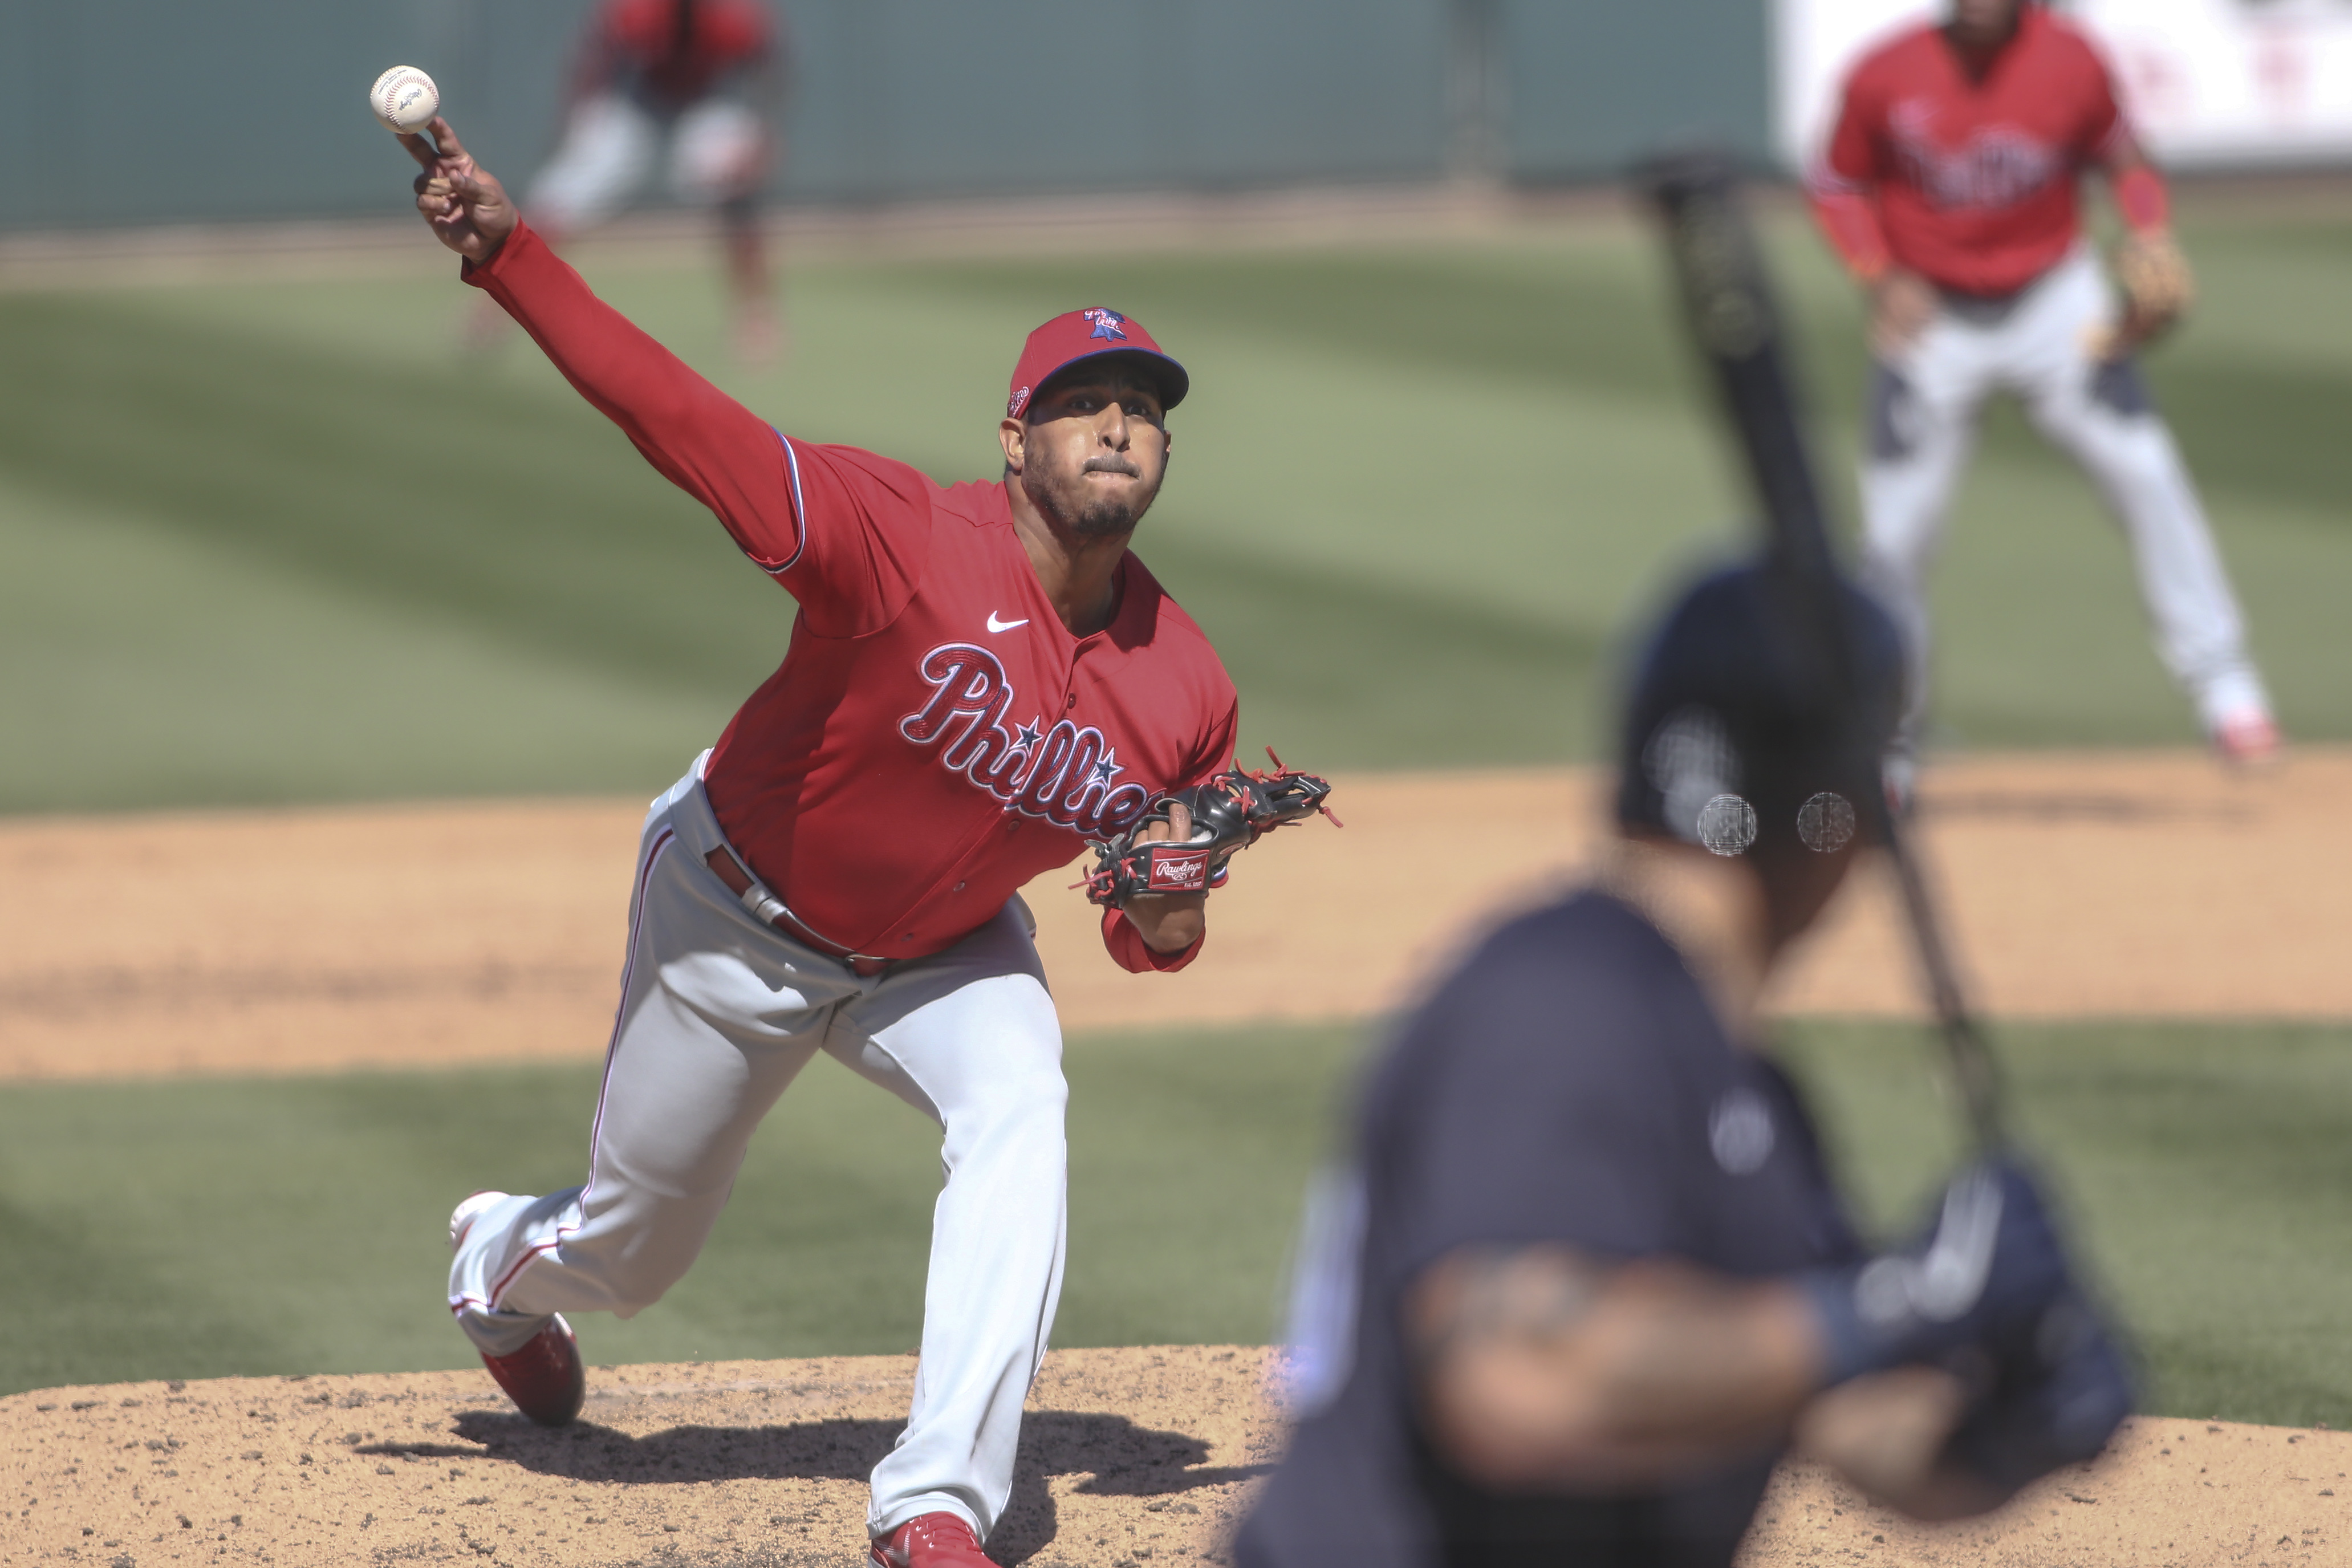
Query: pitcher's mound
(1128, 1458)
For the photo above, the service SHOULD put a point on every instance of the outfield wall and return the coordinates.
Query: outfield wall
(127, 111)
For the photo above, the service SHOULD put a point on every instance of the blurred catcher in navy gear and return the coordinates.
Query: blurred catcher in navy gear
(1587, 1278)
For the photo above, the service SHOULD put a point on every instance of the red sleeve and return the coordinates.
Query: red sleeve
(1842, 188)
(1852, 155)
(1132, 953)
(1848, 218)
(1215, 752)
(2103, 117)
(853, 569)
(2141, 198)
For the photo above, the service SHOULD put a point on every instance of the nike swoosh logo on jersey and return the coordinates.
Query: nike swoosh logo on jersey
(996, 626)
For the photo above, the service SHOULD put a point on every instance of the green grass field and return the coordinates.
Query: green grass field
(281, 542)
(294, 1224)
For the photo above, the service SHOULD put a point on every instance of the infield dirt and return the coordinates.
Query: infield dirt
(2143, 884)
(1128, 1457)
(302, 940)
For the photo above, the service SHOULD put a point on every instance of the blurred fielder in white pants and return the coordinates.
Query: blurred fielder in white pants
(1950, 189)
(703, 76)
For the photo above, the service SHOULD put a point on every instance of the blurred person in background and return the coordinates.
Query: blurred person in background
(1950, 188)
(703, 78)
(1587, 1273)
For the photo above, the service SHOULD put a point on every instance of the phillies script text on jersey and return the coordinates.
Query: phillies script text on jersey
(1063, 775)
(935, 737)
(1976, 180)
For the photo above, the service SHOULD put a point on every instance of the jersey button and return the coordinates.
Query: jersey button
(1072, 702)
(958, 887)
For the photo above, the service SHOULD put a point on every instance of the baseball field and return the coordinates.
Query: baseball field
(335, 665)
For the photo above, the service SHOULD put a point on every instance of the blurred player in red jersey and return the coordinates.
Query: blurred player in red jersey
(706, 76)
(979, 681)
(1950, 189)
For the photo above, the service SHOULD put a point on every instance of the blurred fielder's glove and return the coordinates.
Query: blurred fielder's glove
(1230, 812)
(2157, 286)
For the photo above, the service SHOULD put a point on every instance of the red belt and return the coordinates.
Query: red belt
(724, 866)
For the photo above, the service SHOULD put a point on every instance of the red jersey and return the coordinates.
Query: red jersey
(935, 737)
(1974, 181)
(646, 47)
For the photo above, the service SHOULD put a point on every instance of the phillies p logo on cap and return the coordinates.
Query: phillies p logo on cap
(1091, 333)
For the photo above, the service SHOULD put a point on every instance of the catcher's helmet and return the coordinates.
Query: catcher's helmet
(1730, 742)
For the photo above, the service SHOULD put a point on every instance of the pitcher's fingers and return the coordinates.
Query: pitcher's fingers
(1180, 821)
(450, 146)
(424, 151)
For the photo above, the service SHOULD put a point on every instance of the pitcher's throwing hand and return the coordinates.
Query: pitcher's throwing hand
(463, 203)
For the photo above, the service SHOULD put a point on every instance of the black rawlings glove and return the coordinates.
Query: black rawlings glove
(1230, 812)
(2059, 1391)
(1975, 1283)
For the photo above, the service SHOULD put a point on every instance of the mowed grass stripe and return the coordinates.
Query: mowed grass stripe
(286, 688)
(1420, 495)
(208, 1228)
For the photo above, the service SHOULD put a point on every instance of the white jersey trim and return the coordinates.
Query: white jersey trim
(800, 512)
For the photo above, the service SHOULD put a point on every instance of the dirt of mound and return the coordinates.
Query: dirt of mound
(1128, 1457)
(2093, 884)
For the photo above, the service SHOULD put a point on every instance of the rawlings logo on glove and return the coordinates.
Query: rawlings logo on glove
(1177, 868)
(1227, 815)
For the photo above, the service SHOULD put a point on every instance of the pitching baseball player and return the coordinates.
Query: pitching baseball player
(1949, 187)
(981, 681)
(705, 76)
(1589, 1271)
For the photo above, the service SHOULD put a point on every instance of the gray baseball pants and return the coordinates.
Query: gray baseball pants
(2038, 346)
(719, 1011)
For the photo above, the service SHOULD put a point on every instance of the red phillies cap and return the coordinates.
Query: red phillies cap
(1089, 334)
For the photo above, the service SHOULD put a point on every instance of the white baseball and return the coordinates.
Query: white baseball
(405, 98)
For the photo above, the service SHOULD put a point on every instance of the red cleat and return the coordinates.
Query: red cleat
(545, 1378)
(930, 1541)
